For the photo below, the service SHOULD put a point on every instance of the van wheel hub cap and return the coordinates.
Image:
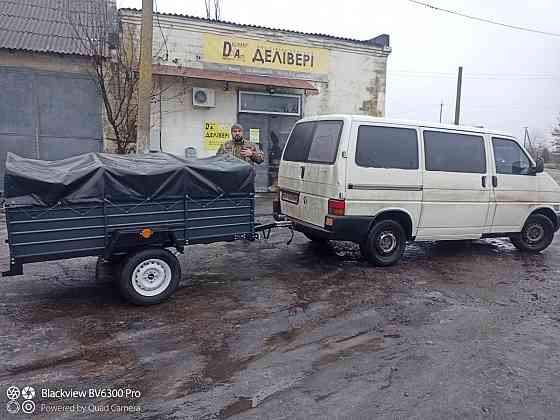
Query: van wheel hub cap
(534, 233)
(151, 277)
(387, 242)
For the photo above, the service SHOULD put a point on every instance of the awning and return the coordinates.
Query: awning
(234, 77)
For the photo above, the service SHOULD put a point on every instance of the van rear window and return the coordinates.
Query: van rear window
(314, 142)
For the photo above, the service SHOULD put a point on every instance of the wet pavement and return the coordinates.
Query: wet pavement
(266, 330)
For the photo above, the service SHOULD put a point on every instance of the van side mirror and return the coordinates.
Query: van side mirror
(540, 166)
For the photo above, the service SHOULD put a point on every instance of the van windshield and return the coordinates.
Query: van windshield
(314, 142)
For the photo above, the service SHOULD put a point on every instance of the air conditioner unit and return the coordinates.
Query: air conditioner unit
(203, 97)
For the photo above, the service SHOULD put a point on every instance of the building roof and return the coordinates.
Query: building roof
(380, 41)
(44, 25)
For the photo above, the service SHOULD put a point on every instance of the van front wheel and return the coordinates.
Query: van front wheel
(536, 235)
(384, 244)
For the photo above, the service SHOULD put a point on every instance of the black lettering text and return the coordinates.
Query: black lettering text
(290, 59)
(258, 56)
(268, 55)
(227, 49)
(277, 55)
(298, 59)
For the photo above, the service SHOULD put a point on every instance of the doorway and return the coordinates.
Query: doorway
(273, 131)
(268, 119)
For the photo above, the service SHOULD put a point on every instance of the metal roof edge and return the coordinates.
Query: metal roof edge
(380, 41)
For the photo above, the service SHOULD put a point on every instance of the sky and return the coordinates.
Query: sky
(511, 78)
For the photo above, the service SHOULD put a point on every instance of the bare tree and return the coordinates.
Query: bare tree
(113, 54)
(213, 9)
(556, 143)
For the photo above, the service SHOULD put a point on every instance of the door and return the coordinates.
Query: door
(312, 170)
(258, 122)
(45, 115)
(273, 131)
(456, 186)
(383, 170)
(515, 187)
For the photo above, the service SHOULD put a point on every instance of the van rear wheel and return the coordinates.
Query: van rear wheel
(384, 244)
(536, 235)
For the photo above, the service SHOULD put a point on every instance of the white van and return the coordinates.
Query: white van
(381, 183)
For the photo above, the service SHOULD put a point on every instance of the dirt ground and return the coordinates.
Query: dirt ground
(266, 330)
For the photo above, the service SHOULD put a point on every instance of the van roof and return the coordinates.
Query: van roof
(424, 124)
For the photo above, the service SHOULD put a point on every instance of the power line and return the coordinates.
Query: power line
(161, 31)
(493, 22)
(474, 76)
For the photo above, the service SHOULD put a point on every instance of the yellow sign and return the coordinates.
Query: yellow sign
(263, 54)
(215, 134)
(255, 135)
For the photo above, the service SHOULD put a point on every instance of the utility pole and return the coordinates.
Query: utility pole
(145, 82)
(440, 111)
(458, 98)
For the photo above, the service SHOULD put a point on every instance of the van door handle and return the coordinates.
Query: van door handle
(494, 181)
(483, 181)
(302, 172)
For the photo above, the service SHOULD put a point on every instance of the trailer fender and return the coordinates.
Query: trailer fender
(128, 240)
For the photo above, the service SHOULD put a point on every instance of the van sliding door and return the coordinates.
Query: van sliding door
(457, 186)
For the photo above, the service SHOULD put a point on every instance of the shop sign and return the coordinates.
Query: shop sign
(263, 54)
(215, 134)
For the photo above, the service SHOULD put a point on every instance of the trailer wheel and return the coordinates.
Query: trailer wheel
(149, 276)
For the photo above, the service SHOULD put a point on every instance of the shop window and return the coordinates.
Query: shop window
(266, 103)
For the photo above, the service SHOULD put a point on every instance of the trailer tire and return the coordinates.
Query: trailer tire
(149, 276)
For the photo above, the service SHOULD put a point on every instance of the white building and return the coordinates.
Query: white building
(213, 74)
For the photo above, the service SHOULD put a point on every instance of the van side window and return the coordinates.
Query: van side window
(298, 143)
(324, 145)
(510, 158)
(387, 147)
(314, 142)
(454, 152)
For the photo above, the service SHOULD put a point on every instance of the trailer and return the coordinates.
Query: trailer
(134, 212)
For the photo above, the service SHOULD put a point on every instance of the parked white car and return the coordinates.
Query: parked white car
(381, 183)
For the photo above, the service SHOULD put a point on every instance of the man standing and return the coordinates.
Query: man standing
(241, 148)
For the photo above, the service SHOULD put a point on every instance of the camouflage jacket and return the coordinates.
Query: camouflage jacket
(232, 148)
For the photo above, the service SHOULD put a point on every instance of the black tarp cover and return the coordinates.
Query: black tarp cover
(93, 177)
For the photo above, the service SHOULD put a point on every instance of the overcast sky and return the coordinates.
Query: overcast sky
(511, 78)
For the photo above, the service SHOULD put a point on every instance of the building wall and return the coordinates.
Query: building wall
(45, 62)
(354, 83)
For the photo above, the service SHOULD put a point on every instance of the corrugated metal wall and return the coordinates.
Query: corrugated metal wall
(47, 115)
